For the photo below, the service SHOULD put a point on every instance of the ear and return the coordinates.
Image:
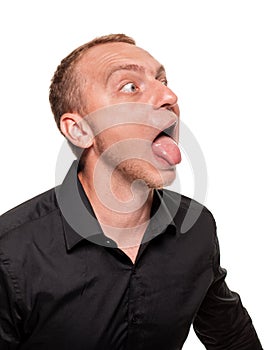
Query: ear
(76, 129)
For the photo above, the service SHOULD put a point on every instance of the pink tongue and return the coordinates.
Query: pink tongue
(166, 148)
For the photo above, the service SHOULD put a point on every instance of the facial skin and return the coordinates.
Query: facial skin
(120, 73)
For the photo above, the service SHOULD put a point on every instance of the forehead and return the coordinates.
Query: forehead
(103, 57)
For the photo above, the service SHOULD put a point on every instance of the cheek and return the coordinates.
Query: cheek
(129, 120)
(125, 132)
(106, 140)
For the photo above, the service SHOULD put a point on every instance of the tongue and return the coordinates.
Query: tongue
(166, 149)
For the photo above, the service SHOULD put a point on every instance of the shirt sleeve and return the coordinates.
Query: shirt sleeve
(9, 316)
(222, 323)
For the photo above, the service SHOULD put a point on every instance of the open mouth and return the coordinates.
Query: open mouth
(169, 132)
(165, 147)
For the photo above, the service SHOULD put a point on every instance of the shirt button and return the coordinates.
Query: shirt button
(134, 319)
(108, 242)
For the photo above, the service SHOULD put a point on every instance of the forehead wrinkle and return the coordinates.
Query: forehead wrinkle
(87, 62)
(136, 68)
(111, 59)
(129, 67)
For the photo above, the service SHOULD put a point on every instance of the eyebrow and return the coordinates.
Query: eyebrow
(160, 71)
(135, 68)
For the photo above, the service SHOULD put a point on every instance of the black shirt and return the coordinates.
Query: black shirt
(60, 289)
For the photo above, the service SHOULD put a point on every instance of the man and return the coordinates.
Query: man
(101, 261)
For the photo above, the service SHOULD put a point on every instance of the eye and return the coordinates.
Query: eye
(164, 82)
(129, 87)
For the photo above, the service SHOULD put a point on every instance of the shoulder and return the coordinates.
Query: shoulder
(188, 213)
(28, 232)
(195, 226)
(28, 213)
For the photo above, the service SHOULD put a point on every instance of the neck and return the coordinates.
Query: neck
(122, 207)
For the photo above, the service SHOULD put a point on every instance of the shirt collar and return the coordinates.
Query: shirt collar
(80, 223)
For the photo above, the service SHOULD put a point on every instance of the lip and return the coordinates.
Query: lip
(169, 130)
(170, 127)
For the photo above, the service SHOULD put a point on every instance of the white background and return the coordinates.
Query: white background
(213, 52)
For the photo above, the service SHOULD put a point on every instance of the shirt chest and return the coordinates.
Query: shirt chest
(97, 297)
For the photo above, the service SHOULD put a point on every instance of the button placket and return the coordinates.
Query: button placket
(135, 338)
(135, 299)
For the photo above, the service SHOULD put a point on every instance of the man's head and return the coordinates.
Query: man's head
(66, 94)
(108, 72)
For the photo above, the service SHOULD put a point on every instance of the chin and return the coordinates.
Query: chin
(153, 178)
(167, 180)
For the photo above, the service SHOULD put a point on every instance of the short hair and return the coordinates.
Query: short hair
(66, 95)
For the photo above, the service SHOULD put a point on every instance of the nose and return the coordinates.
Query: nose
(165, 97)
